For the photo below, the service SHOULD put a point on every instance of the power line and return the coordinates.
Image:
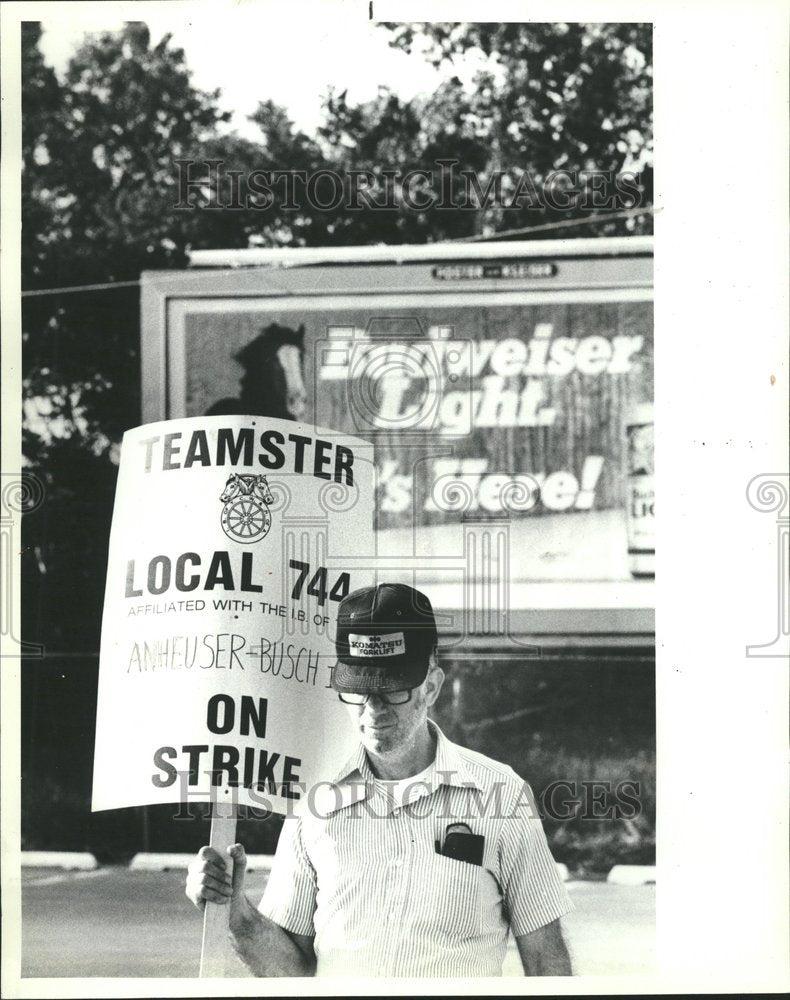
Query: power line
(626, 213)
(68, 289)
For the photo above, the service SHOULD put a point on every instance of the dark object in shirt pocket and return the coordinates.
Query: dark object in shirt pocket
(466, 847)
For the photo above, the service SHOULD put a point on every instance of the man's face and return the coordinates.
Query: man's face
(387, 728)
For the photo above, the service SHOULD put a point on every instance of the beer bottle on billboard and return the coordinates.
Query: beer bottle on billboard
(640, 491)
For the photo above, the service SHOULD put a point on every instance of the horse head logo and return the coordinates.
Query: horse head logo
(261, 489)
(273, 381)
(233, 487)
(245, 517)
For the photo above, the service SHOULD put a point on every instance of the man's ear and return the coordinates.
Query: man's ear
(433, 684)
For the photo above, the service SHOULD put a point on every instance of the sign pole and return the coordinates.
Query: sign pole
(216, 947)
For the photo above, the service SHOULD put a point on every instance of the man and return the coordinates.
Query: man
(425, 854)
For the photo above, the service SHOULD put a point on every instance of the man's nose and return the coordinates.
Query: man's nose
(376, 704)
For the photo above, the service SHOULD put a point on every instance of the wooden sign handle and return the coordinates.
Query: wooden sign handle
(216, 947)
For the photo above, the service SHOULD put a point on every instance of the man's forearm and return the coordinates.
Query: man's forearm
(264, 947)
(555, 961)
(543, 952)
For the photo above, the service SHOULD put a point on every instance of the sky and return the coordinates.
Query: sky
(264, 49)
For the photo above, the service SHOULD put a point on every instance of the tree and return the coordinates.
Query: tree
(389, 138)
(550, 97)
(290, 220)
(97, 189)
(558, 96)
(127, 110)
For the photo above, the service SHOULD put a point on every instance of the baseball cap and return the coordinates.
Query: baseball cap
(385, 636)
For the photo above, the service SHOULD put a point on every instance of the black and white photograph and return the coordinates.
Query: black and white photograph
(366, 439)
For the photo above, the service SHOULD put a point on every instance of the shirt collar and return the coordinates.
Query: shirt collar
(451, 768)
(353, 780)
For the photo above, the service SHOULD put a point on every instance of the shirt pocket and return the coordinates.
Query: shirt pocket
(451, 895)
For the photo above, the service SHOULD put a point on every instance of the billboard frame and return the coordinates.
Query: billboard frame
(570, 614)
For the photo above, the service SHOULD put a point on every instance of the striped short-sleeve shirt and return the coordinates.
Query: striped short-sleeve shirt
(364, 875)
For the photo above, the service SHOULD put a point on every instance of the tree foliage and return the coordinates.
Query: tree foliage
(125, 111)
(559, 96)
(96, 193)
(562, 92)
(97, 207)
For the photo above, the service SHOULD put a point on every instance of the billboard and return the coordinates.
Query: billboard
(498, 392)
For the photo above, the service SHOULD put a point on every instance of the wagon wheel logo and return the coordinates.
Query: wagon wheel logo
(245, 517)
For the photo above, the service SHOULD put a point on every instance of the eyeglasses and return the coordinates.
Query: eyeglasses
(388, 697)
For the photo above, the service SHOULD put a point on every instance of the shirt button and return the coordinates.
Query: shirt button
(399, 863)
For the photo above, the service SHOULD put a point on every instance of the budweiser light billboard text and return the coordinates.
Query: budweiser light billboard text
(228, 558)
(514, 394)
(496, 384)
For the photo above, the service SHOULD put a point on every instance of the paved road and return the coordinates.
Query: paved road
(115, 922)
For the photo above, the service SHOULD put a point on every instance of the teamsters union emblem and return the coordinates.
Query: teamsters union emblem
(245, 517)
